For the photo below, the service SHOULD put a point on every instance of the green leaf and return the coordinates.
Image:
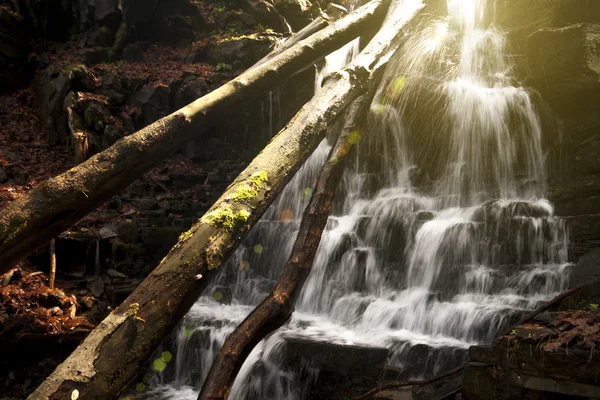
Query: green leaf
(354, 137)
(159, 365)
(166, 356)
(258, 249)
(187, 332)
(218, 296)
(147, 379)
(140, 387)
(513, 332)
(398, 84)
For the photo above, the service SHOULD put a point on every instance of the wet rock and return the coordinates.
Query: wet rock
(444, 389)
(587, 269)
(340, 358)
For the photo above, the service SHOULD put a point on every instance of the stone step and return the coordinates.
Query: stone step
(422, 361)
(343, 359)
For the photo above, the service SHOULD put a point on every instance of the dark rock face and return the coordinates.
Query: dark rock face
(566, 12)
(344, 370)
(265, 13)
(565, 69)
(14, 48)
(296, 12)
(556, 45)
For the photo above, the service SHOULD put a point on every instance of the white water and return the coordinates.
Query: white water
(446, 263)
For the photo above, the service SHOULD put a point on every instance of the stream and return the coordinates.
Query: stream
(440, 234)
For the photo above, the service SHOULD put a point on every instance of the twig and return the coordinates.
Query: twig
(52, 263)
(410, 383)
(544, 307)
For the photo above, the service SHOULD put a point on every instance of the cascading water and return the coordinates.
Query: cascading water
(440, 234)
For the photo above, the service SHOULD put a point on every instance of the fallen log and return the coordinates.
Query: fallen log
(53, 206)
(115, 351)
(277, 308)
(315, 26)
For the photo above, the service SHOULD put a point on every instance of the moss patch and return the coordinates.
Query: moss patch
(250, 188)
(226, 218)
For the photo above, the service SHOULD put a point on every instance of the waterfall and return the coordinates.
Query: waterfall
(440, 235)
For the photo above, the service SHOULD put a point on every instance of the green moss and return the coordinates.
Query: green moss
(226, 218)
(259, 177)
(243, 192)
(185, 236)
(250, 188)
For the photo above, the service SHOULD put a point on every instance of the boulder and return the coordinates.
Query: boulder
(296, 12)
(151, 102)
(265, 13)
(343, 359)
(240, 52)
(189, 90)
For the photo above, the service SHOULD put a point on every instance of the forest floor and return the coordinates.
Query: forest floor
(40, 326)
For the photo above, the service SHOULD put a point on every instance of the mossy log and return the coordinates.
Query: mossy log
(53, 206)
(115, 351)
(277, 308)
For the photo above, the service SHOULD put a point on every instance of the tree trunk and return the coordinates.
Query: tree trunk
(277, 308)
(53, 206)
(114, 352)
(315, 26)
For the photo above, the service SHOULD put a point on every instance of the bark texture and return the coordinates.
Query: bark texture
(277, 308)
(53, 206)
(113, 354)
